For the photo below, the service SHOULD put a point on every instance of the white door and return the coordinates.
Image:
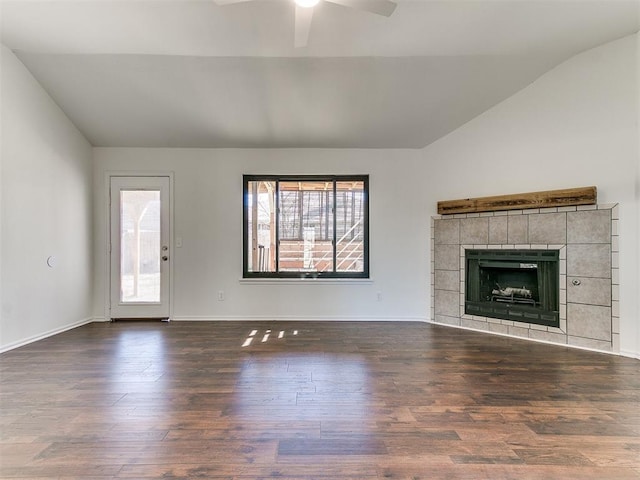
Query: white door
(140, 250)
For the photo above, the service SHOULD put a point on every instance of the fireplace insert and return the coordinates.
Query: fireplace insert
(518, 285)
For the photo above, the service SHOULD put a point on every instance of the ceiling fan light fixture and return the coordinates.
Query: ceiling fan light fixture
(307, 3)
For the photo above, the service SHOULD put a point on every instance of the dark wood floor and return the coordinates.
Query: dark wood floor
(328, 401)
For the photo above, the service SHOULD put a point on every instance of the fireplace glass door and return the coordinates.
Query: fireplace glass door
(519, 285)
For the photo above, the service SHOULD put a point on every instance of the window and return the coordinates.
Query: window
(306, 226)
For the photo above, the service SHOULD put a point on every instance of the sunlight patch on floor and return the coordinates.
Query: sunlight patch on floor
(266, 336)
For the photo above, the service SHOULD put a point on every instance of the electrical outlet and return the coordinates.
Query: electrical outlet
(220, 295)
(379, 296)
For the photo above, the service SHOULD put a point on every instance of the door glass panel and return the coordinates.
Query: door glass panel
(139, 246)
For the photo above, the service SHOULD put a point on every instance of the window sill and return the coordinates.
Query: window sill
(307, 280)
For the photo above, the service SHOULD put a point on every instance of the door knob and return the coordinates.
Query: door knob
(165, 258)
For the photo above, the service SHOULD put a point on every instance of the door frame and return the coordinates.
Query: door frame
(107, 233)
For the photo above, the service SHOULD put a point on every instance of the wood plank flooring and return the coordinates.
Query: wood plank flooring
(146, 400)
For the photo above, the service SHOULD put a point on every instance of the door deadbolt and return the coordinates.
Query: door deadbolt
(165, 258)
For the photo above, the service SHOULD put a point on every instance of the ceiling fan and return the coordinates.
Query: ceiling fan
(304, 12)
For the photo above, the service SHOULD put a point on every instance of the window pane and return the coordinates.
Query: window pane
(306, 226)
(299, 225)
(139, 246)
(261, 233)
(350, 226)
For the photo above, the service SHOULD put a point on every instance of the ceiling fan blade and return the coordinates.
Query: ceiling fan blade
(380, 7)
(303, 25)
(229, 2)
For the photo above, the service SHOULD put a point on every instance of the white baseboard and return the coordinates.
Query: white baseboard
(577, 347)
(293, 318)
(630, 354)
(35, 338)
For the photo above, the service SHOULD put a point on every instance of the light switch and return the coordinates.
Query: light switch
(178, 242)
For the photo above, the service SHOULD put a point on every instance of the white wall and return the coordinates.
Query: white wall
(579, 121)
(637, 186)
(208, 218)
(46, 208)
(575, 126)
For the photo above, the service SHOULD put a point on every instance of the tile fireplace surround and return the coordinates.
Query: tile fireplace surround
(587, 240)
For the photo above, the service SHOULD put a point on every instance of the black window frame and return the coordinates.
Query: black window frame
(246, 179)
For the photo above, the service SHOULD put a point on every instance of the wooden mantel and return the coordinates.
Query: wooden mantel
(550, 198)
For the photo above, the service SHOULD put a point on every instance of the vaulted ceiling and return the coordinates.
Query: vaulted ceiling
(191, 73)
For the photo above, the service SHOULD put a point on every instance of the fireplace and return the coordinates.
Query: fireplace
(582, 308)
(517, 285)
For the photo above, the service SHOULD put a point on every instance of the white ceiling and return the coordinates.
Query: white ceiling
(189, 73)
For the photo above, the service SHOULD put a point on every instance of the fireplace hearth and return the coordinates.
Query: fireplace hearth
(516, 285)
